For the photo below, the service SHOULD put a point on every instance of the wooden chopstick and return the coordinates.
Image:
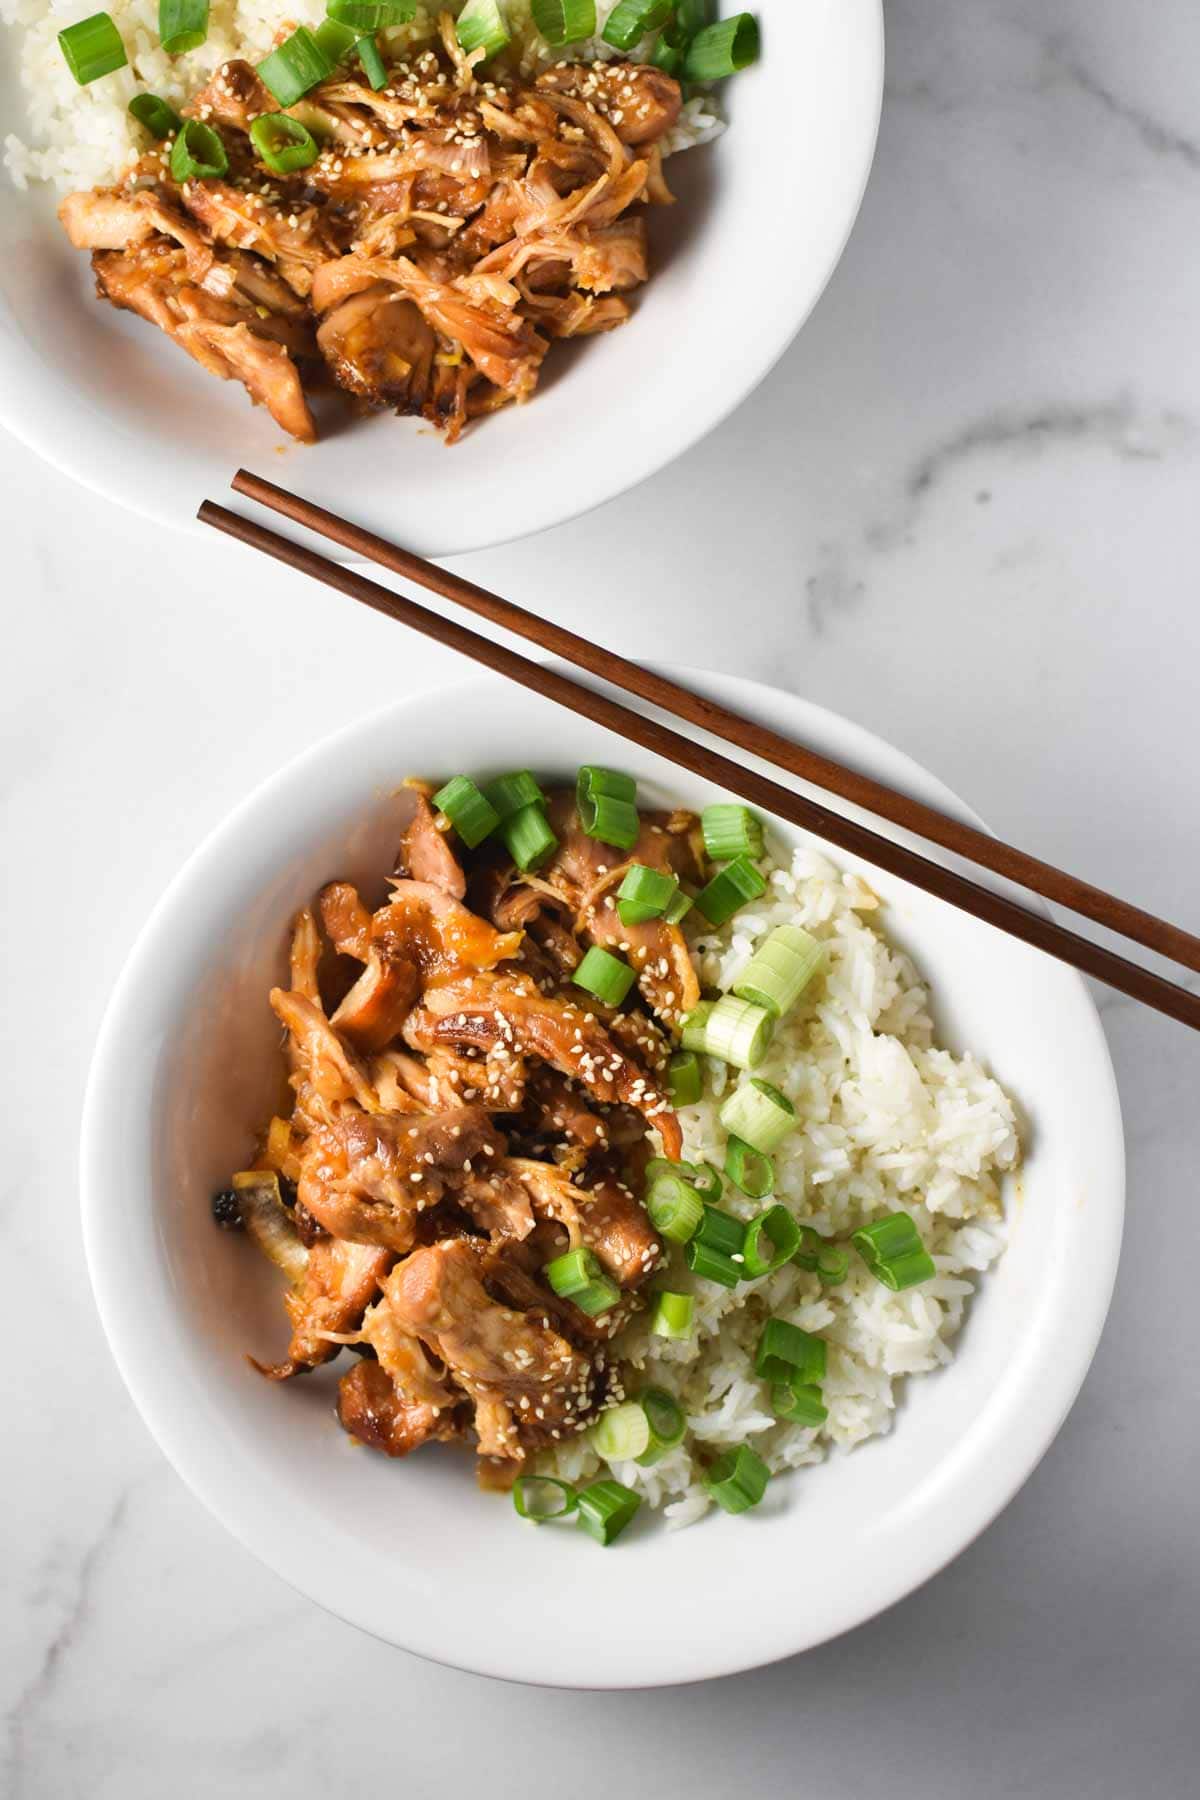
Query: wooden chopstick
(923, 821)
(982, 903)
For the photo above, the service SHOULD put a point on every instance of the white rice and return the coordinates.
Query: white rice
(887, 1121)
(84, 137)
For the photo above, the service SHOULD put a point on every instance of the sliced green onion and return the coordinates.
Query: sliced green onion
(481, 26)
(671, 1316)
(605, 801)
(296, 66)
(809, 1251)
(785, 1353)
(721, 1231)
(472, 815)
(703, 1260)
(564, 21)
(729, 890)
(371, 15)
(780, 969)
(182, 25)
(679, 909)
(783, 1238)
(692, 16)
(372, 63)
(621, 1434)
(722, 49)
(749, 1170)
(605, 1509)
(738, 1480)
(893, 1251)
(731, 831)
(283, 144)
(735, 1030)
(683, 1078)
(630, 20)
(833, 1265)
(668, 54)
(197, 153)
(159, 119)
(337, 41)
(645, 894)
(528, 838)
(675, 1208)
(708, 1182)
(539, 1497)
(759, 1114)
(509, 794)
(92, 48)
(799, 1404)
(665, 1418)
(607, 976)
(578, 1277)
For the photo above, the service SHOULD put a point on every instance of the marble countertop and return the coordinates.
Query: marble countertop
(964, 512)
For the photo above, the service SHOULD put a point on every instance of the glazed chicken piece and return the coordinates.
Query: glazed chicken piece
(499, 1011)
(367, 1176)
(294, 243)
(324, 1071)
(526, 1380)
(605, 1215)
(340, 1282)
(641, 102)
(376, 1410)
(234, 97)
(425, 852)
(380, 348)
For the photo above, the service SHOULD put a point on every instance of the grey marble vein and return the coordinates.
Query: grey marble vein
(1065, 65)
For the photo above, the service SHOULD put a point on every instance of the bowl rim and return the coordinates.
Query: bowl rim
(170, 1432)
(79, 454)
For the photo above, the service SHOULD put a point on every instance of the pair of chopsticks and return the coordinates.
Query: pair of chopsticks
(745, 734)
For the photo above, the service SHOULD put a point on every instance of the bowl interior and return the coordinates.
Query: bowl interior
(187, 1066)
(109, 400)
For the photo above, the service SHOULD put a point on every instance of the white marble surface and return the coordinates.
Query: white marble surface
(964, 511)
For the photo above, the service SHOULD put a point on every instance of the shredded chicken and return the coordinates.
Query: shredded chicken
(462, 1117)
(451, 227)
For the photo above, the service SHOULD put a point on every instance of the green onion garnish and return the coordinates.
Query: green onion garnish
(785, 1353)
(578, 1277)
(683, 1078)
(668, 53)
(371, 15)
(674, 1206)
(564, 21)
(607, 976)
(621, 1433)
(630, 20)
(749, 1170)
(197, 153)
(605, 1509)
(759, 1114)
(731, 831)
(665, 1418)
(800, 1405)
(296, 66)
(722, 49)
(92, 48)
(337, 41)
(539, 1497)
(707, 1182)
(283, 143)
(729, 890)
(735, 1030)
(672, 1316)
(605, 801)
(182, 25)
(782, 1233)
(472, 815)
(738, 1480)
(508, 794)
(481, 26)
(703, 1260)
(893, 1251)
(721, 1231)
(833, 1265)
(780, 969)
(159, 119)
(372, 63)
(692, 16)
(678, 909)
(528, 838)
(645, 894)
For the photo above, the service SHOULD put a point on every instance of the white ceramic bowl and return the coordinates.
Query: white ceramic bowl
(763, 217)
(187, 1066)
